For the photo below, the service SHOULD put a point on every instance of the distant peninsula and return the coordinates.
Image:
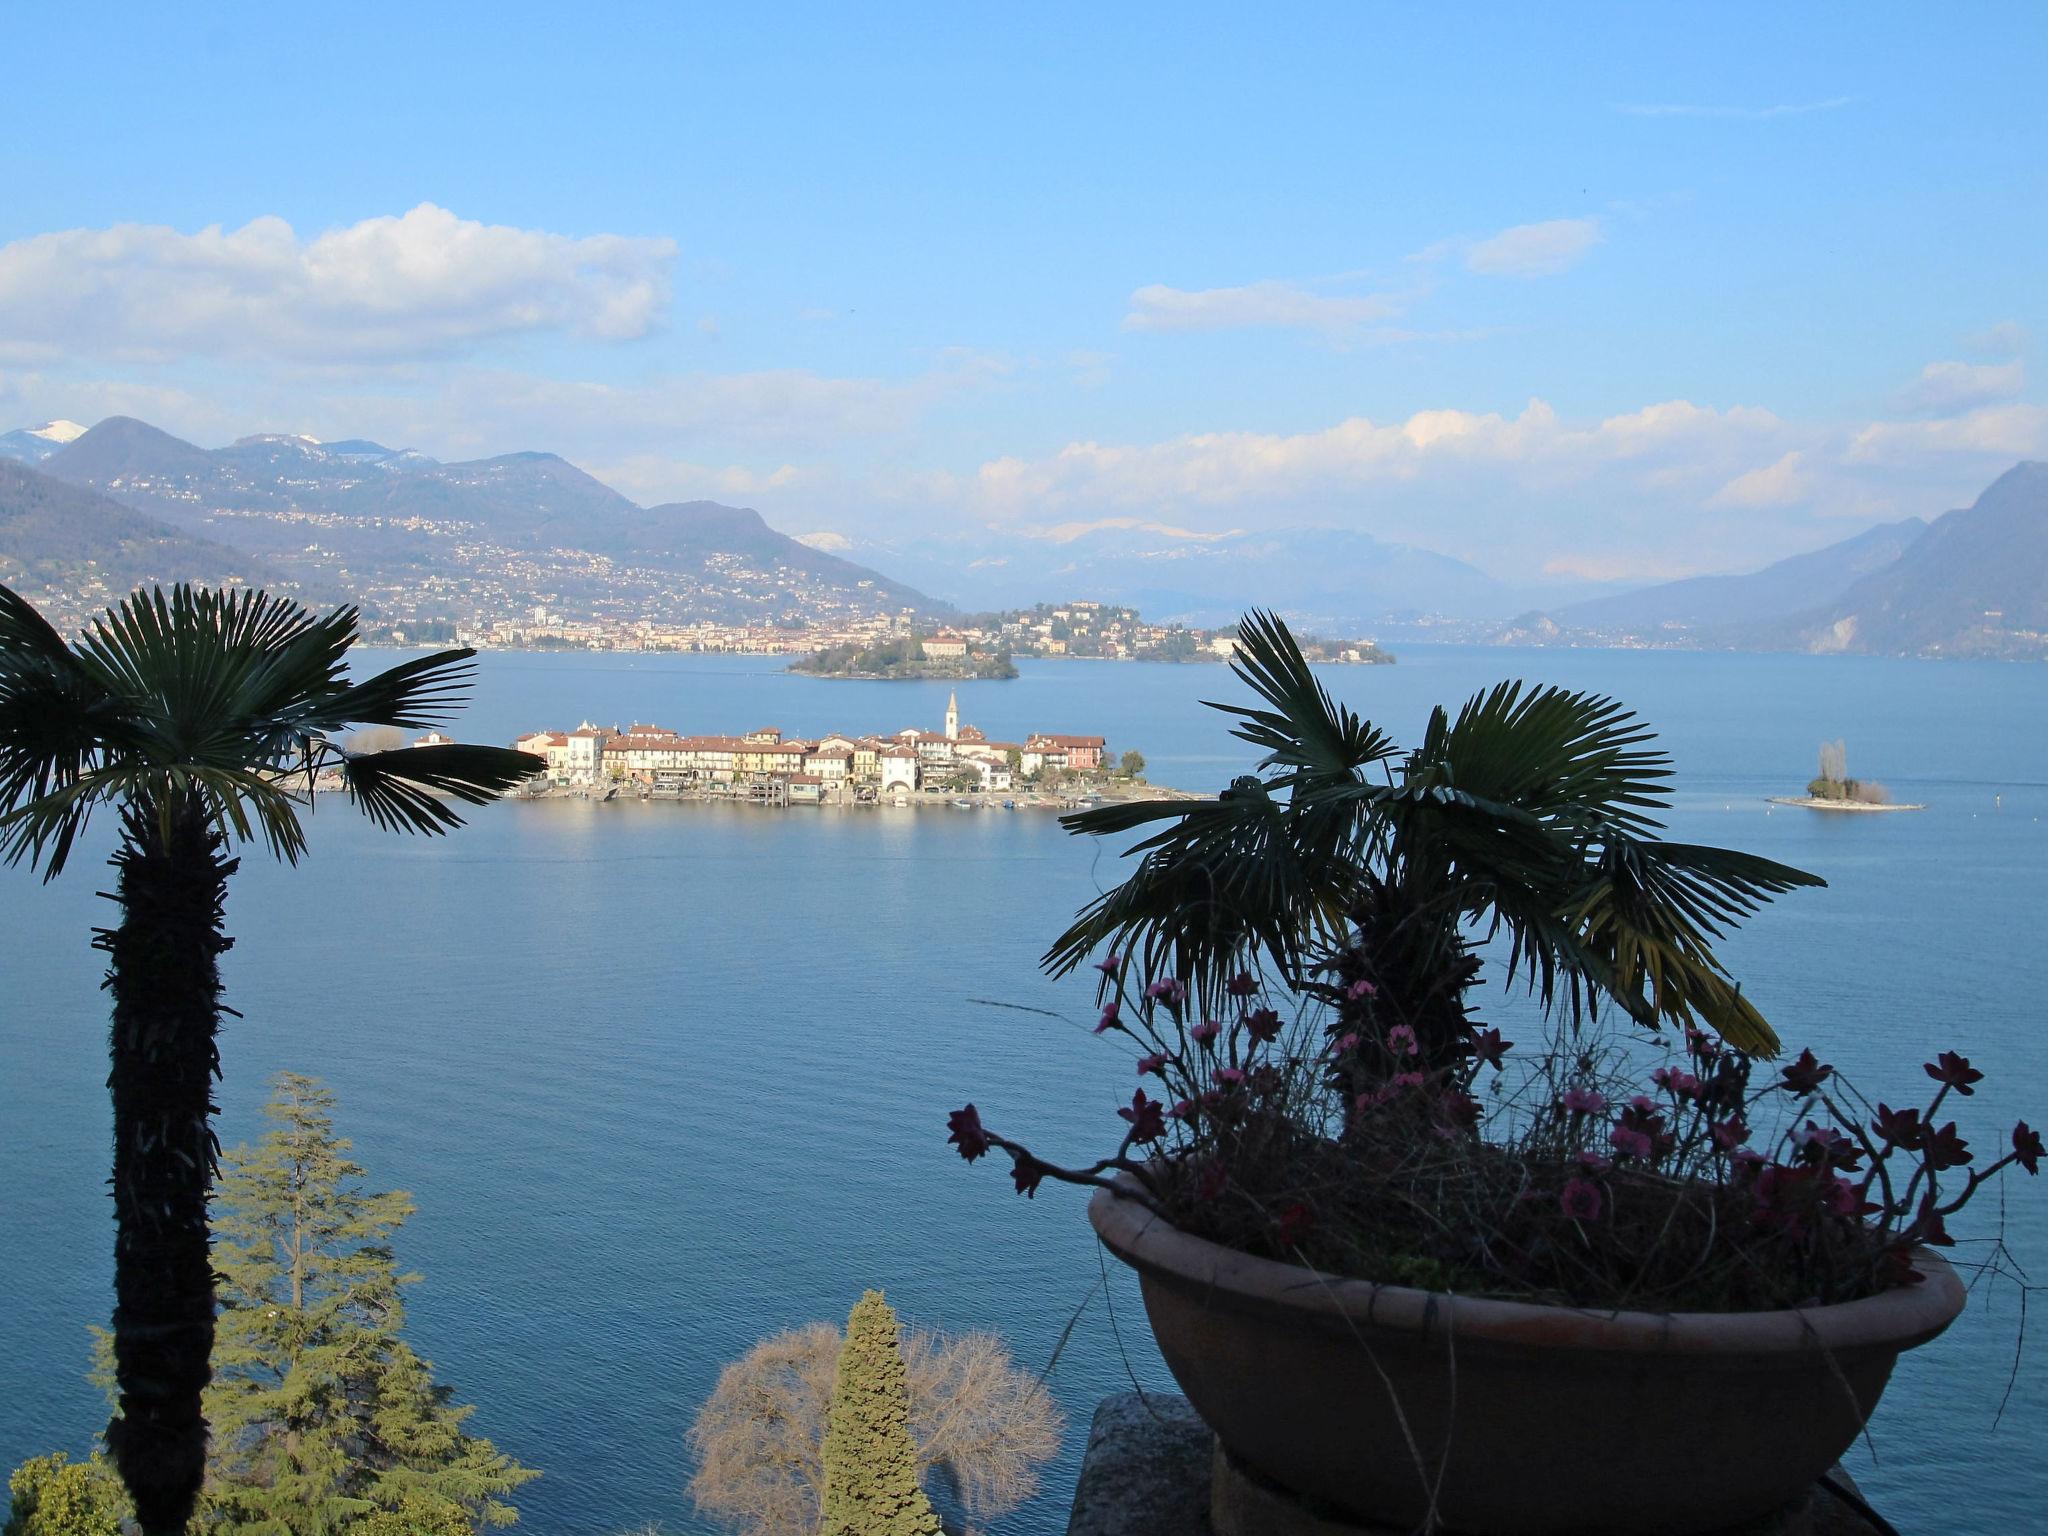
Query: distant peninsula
(907, 658)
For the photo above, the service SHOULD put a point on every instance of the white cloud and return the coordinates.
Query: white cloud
(1787, 483)
(1748, 114)
(1993, 432)
(2008, 338)
(1066, 533)
(421, 284)
(1951, 386)
(1674, 438)
(1265, 304)
(1535, 250)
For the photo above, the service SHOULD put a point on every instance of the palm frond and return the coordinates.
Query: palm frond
(415, 695)
(408, 788)
(1305, 732)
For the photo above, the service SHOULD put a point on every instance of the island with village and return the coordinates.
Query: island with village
(953, 765)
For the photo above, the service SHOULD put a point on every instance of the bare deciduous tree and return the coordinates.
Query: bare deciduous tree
(983, 1428)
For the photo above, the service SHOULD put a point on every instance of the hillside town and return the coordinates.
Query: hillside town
(1079, 628)
(766, 766)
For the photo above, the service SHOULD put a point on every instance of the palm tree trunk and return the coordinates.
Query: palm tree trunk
(164, 975)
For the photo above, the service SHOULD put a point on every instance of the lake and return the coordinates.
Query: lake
(664, 1079)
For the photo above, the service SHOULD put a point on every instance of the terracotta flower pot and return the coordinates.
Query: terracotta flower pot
(1526, 1420)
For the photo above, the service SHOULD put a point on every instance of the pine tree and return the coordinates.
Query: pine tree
(871, 1486)
(55, 1496)
(322, 1415)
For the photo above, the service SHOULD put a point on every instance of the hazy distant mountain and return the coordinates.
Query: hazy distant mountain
(413, 537)
(32, 445)
(1701, 605)
(1971, 583)
(72, 551)
(1975, 584)
(1330, 579)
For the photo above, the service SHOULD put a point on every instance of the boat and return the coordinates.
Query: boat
(963, 805)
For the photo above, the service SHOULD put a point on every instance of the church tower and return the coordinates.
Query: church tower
(953, 715)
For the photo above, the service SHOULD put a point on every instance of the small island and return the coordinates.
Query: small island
(1833, 790)
(944, 656)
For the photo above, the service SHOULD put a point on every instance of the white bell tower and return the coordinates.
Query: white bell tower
(952, 715)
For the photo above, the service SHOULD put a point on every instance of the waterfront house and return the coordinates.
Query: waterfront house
(1051, 750)
(806, 789)
(945, 646)
(829, 766)
(899, 769)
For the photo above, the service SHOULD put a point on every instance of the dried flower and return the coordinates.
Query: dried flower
(967, 1134)
(1262, 1024)
(1899, 1128)
(1806, 1074)
(1147, 1118)
(1027, 1173)
(1243, 984)
(2026, 1147)
(1954, 1071)
(1487, 1046)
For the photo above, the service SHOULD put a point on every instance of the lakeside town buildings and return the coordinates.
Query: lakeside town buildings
(832, 767)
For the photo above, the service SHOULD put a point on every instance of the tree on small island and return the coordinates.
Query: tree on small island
(904, 657)
(1834, 783)
(1130, 766)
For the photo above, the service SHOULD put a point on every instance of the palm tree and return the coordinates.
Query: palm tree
(201, 719)
(1345, 859)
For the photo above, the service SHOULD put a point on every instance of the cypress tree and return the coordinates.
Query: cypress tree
(322, 1415)
(871, 1486)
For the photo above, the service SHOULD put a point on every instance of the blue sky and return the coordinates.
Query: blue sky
(1599, 290)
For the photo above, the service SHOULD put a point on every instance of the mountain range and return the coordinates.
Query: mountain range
(413, 539)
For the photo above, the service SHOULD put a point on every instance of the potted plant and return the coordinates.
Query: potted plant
(1413, 1277)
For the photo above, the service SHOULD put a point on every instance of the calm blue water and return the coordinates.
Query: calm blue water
(664, 1079)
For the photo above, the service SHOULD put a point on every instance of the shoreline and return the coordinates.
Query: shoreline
(1025, 800)
(1857, 807)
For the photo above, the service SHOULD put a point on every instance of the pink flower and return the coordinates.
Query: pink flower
(1243, 984)
(1729, 1134)
(1583, 1101)
(1156, 1062)
(1109, 1019)
(1229, 1075)
(1581, 1200)
(1110, 964)
(1408, 1080)
(1343, 1045)
(1402, 1042)
(1170, 991)
(1215, 1178)
(1593, 1162)
(1361, 989)
(1204, 1034)
(1630, 1143)
(1184, 1110)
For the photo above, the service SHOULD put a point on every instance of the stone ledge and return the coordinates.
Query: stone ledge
(1153, 1469)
